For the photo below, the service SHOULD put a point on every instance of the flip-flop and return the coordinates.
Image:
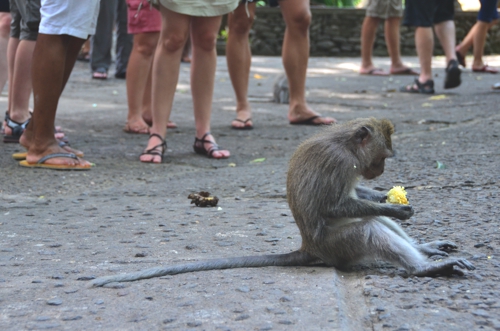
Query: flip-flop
(486, 68)
(245, 126)
(309, 121)
(22, 155)
(375, 72)
(460, 58)
(406, 71)
(41, 163)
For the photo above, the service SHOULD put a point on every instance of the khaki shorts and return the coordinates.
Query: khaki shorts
(384, 8)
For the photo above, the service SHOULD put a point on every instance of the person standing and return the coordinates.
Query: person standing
(144, 23)
(476, 38)
(391, 11)
(111, 13)
(426, 15)
(295, 55)
(202, 19)
(64, 27)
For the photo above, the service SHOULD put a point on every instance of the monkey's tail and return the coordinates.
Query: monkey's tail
(296, 258)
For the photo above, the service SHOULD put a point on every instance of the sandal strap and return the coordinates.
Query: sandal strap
(200, 144)
(13, 124)
(154, 150)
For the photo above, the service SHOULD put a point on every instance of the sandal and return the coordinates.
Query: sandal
(100, 73)
(16, 127)
(154, 151)
(417, 87)
(199, 147)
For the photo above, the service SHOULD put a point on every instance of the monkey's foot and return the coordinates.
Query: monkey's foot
(437, 248)
(444, 268)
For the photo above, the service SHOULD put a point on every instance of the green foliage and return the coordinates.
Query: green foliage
(338, 3)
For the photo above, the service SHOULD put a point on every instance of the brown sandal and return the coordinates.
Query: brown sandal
(154, 151)
(199, 147)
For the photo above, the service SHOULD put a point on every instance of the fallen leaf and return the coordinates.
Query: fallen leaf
(426, 105)
(438, 97)
(258, 160)
(231, 165)
(257, 76)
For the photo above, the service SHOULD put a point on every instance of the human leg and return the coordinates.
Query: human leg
(479, 41)
(295, 54)
(368, 34)
(101, 41)
(239, 58)
(4, 41)
(424, 44)
(445, 32)
(124, 40)
(391, 32)
(204, 32)
(53, 60)
(138, 74)
(21, 83)
(166, 64)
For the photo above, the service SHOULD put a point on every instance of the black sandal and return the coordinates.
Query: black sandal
(16, 127)
(245, 126)
(199, 147)
(154, 151)
(417, 87)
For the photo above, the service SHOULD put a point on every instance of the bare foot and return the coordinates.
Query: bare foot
(303, 114)
(373, 71)
(170, 124)
(34, 156)
(26, 141)
(403, 70)
(137, 126)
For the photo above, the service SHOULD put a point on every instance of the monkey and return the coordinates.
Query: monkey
(341, 223)
(281, 92)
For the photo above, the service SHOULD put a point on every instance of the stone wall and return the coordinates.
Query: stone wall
(336, 32)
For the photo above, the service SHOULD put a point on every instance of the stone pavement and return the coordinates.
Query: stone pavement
(60, 229)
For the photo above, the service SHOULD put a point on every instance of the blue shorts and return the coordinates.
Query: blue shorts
(488, 11)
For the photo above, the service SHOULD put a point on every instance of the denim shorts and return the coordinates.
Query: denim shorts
(488, 11)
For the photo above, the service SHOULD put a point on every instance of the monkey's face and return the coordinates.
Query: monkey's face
(375, 169)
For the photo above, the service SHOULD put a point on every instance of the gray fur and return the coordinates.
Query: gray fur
(281, 92)
(340, 223)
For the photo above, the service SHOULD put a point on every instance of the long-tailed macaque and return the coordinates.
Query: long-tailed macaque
(340, 223)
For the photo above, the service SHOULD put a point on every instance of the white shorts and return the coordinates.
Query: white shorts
(76, 18)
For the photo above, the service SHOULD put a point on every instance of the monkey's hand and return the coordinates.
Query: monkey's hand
(401, 212)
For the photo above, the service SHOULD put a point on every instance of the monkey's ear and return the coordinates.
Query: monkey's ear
(363, 135)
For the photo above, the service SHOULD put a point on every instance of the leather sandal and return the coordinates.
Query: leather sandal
(199, 147)
(16, 127)
(154, 151)
(417, 87)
